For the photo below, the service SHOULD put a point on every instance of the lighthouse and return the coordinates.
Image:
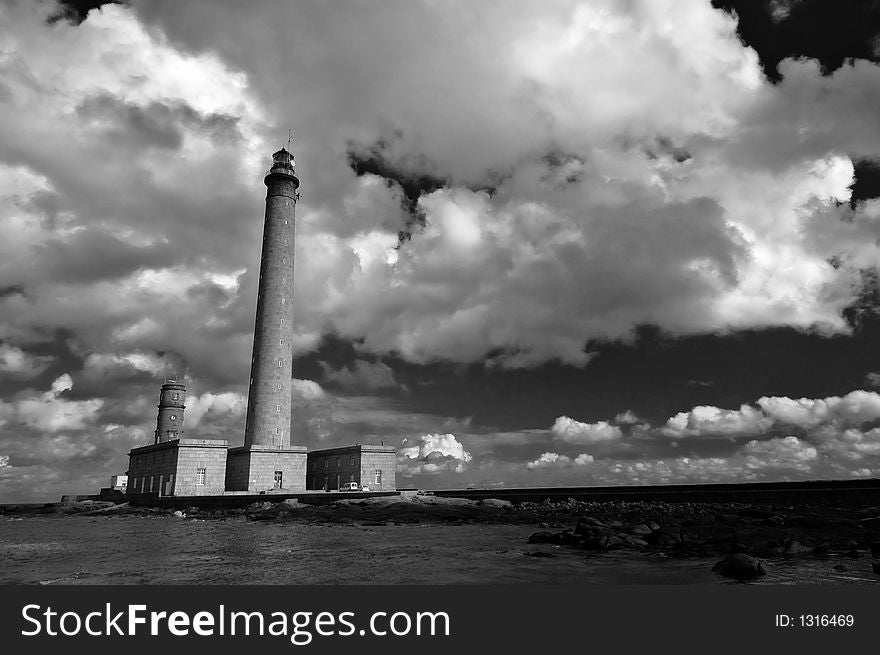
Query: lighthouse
(268, 460)
(169, 422)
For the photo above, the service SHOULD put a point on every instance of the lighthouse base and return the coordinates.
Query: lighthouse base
(258, 469)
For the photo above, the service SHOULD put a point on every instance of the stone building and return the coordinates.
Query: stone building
(370, 466)
(173, 465)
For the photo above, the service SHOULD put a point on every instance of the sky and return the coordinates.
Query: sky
(545, 243)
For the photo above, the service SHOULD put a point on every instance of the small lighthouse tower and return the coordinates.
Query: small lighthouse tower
(268, 460)
(169, 423)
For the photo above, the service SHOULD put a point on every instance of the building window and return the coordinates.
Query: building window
(279, 386)
(280, 363)
(175, 396)
(151, 484)
(351, 460)
(278, 479)
(278, 408)
(277, 430)
(338, 462)
(377, 478)
(200, 476)
(326, 464)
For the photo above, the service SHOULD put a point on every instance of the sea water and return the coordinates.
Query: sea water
(164, 550)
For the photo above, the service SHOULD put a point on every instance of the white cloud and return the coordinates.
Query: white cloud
(16, 362)
(48, 411)
(784, 452)
(307, 389)
(555, 460)
(213, 405)
(549, 459)
(627, 418)
(572, 431)
(708, 420)
(432, 453)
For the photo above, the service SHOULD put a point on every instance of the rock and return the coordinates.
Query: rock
(640, 529)
(541, 538)
(739, 566)
(653, 525)
(839, 567)
(178, 514)
(635, 542)
(795, 547)
(496, 502)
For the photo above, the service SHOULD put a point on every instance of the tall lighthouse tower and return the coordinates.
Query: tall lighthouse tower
(268, 460)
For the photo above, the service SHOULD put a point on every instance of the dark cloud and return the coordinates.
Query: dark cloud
(831, 32)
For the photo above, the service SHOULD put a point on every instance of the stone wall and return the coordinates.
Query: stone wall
(171, 468)
(331, 467)
(253, 469)
(383, 461)
(152, 469)
(328, 471)
(193, 456)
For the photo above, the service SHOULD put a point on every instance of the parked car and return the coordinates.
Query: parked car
(365, 488)
(350, 486)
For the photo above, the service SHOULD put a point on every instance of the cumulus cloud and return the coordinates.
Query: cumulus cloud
(361, 376)
(575, 432)
(785, 452)
(48, 411)
(627, 418)
(213, 405)
(696, 205)
(432, 453)
(549, 459)
(16, 362)
(708, 420)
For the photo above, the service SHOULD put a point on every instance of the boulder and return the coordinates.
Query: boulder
(795, 547)
(739, 566)
(640, 529)
(496, 502)
(541, 538)
(178, 514)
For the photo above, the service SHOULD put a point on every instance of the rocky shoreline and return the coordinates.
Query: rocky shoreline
(660, 529)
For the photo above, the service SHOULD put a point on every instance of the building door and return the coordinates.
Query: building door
(278, 479)
(338, 481)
